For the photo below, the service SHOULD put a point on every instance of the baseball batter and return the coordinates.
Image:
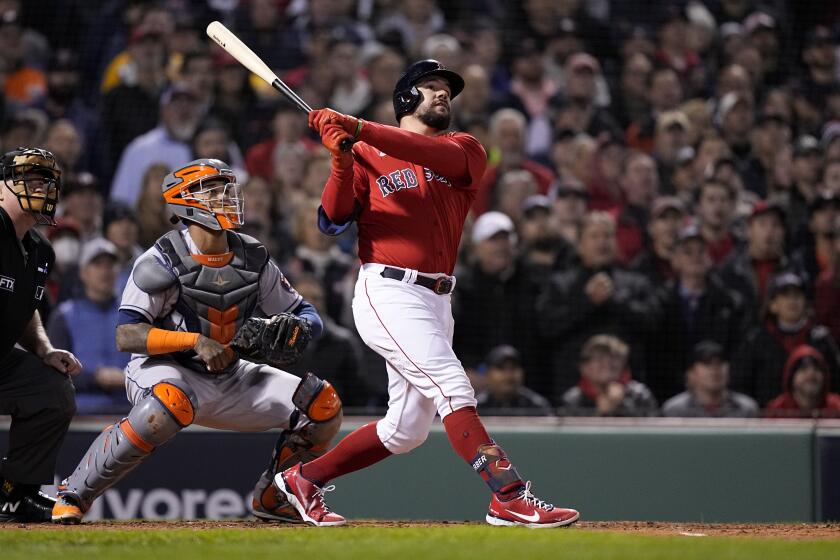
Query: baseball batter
(409, 189)
(188, 298)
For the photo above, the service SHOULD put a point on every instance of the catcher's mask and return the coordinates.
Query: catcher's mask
(33, 176)
(205, 191)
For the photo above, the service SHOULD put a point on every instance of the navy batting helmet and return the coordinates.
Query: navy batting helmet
(407, 97)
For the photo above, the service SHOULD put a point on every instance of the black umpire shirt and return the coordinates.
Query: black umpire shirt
(24, 266)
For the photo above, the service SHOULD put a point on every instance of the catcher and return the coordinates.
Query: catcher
(197, 301)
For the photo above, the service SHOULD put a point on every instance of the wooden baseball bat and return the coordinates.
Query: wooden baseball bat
(225, 38)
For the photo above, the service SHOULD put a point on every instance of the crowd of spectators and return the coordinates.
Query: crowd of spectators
(657, 232)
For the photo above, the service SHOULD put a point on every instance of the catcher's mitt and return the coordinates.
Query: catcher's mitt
(278, 340)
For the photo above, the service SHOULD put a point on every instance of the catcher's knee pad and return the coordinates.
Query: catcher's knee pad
(164, 411)
(492, 464)
(169, 406)
(317, 398)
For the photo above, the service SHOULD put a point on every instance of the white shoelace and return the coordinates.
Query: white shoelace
(530, 499)
(319, 493)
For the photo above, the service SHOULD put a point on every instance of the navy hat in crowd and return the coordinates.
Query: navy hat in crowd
(80, 182)
(534, 203)
(785, 281)
(707, 351)
(501, 354)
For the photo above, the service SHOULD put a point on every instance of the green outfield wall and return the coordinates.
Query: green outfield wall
(709, 475)
(657, 469)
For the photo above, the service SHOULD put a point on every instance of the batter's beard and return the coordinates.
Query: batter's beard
(436, 120)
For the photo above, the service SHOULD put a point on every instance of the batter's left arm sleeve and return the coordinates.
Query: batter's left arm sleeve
(328, 227)
(455, 155)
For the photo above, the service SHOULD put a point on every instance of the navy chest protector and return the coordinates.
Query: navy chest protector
(216, 293)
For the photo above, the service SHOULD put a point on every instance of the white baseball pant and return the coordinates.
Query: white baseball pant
(411, 327)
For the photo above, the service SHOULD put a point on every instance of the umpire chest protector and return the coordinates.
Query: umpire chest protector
(217, 292)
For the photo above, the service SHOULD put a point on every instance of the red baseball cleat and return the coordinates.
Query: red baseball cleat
(529, 511)
(307, 498)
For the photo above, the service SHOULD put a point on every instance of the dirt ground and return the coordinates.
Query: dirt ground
(785, 531)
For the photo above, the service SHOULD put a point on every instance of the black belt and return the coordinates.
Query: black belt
(441, 286)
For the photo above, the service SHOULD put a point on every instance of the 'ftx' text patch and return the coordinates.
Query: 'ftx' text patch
(7, 283)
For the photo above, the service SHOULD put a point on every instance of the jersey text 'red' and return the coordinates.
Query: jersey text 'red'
(414, 192)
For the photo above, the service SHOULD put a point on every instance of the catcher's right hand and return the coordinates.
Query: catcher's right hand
(217, 356)
(278, 340)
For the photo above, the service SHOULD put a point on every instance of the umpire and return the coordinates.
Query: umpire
(35, 386)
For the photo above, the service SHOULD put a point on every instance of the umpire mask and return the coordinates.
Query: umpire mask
(33, 176)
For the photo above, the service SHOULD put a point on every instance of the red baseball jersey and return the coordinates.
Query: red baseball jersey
(414, 191)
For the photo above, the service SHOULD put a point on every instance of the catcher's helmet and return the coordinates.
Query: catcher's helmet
(205, 191)
(407, 97)
(33, 176)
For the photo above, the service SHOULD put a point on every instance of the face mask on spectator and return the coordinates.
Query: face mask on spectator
(66, 251)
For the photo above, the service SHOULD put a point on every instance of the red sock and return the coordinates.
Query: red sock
(466, 434)
(359, 449)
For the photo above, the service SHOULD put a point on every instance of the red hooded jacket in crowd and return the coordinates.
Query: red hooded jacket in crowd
(785, 406)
